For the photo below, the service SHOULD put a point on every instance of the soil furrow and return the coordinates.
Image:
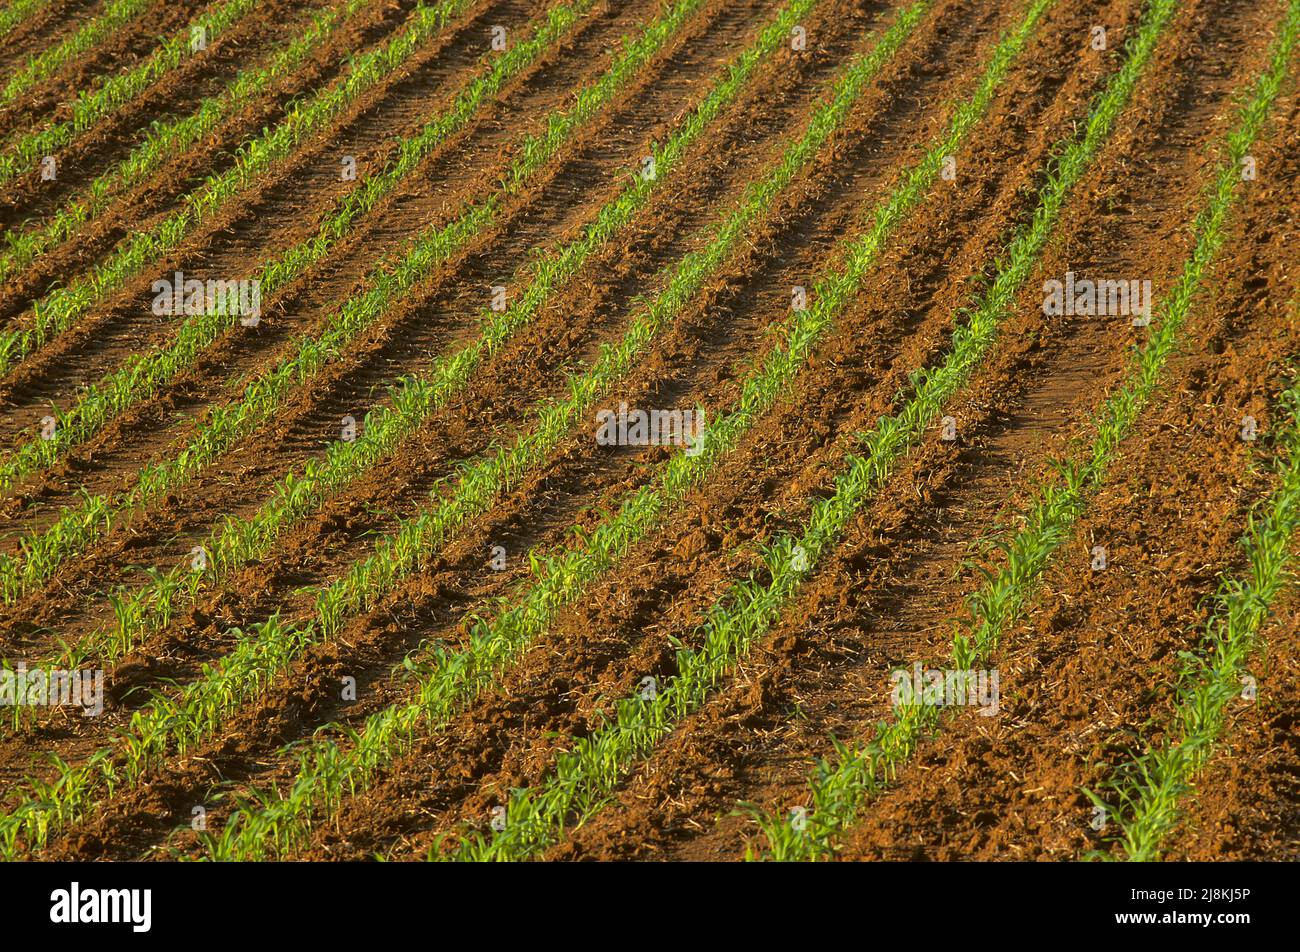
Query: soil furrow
(1092, 670)
(881, 600)
(808, 223)
(160, 192)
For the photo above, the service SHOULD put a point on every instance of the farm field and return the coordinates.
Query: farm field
(761, 430)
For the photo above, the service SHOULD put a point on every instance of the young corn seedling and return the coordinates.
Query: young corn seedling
(184, 720)
(89, 108)
(1148, 789)
(840, 786)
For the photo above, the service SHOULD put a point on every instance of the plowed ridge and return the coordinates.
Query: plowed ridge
(388, 565)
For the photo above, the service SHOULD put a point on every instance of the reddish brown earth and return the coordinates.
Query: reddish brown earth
(1088, 671)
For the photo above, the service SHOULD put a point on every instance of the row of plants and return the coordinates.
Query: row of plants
(1145, 795)
(62, 307)
(842, 784)
(170, 137)
(90, 106)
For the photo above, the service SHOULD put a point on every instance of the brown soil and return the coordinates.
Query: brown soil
(1096, 664)
(123, 49)
(44, 29)
(247, 42)
(1086, 672)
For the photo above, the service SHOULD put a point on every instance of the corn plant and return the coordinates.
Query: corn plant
(60, 309)
(840, 786)
(90, 107)
(262, 653)
(117, 14)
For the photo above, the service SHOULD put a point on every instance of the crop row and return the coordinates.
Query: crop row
(1149, 789)
(167, 139)
(89, 108)
(61, 308)
(838, 788)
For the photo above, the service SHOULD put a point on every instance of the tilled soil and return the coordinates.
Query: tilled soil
(1087, 678)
